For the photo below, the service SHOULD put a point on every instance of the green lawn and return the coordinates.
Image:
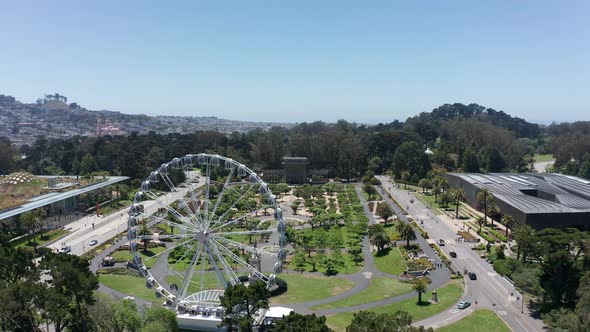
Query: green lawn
(131, 285)
(428, 200)
(479, 320)
(41, 238)
(379, 289)
(349, 267)
(390, 261)
(145, 256)
(447, 295)
(210, 280)
(116, 206)
(304, 288)
(391, 231)
(543, 157)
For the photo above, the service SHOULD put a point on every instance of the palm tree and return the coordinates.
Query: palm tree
(485, 197)
(445, 199)
(384, 211)
(405, 175)
(425, 184)
(32, 222)
(458, 195)
(507, 221)
(380, 240)
(406, 232)
(480, 221)
(144, 230)
(493, 211)
(374, 229)
(420, 286)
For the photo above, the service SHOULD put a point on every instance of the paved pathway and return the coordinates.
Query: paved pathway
(490, 290)
(360, 279)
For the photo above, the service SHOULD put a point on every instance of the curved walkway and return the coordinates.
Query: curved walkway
(361, 279)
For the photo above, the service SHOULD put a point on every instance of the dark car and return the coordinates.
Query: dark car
(453, 254)
(472, 275)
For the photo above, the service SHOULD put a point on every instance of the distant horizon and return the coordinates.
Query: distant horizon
(304, 61)
(289, 122)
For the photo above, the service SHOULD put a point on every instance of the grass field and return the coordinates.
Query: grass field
(447, 295)
(145, 256)
(304, 288)
(428, 200)
(390, 261)
(41, 238)
(543, 157)
(379, 289)
(479, 320)
(210, 281)
(127, 284)
(349, 266)
(391, 231)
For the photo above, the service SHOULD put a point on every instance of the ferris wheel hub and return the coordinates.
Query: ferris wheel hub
(201, 236)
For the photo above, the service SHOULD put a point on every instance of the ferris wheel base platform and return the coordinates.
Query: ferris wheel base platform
(199, 323)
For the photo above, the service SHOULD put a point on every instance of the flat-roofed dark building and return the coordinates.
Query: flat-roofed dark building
(295, 170)
(541, 200)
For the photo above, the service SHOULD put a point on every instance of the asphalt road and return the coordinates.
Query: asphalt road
(490, 290)
(107, 227)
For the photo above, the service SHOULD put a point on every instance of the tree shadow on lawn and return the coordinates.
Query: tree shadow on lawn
(383, 252)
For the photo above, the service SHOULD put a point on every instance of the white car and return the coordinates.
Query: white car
(463, 304)
(93, 242)
(65, 250)
(130, 298)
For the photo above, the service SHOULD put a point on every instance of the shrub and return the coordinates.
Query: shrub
(507, 266)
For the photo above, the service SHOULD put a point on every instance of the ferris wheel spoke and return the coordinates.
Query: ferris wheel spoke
(220, 196)
(233, 278)
(182, 203)
(246, 247)
(173, 268)
(242, 262)
(162, 237)
(167, 207)
(220, 276)
(231, 222)
(168, 249)
(203, 263)
(234, 204)
(182, 226)
(252, 232)
(208, 188)
(189, 272)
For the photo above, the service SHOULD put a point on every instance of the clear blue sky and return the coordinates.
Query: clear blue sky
(364, 61)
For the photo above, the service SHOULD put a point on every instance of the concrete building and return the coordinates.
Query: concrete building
(59, 202)
(295, 170)
(541, 200)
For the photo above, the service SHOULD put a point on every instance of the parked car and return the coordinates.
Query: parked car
(463, 304)
(93, 242)
(472, 275)
(453, 254)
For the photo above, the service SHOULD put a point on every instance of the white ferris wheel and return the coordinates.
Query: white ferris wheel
(204, 224)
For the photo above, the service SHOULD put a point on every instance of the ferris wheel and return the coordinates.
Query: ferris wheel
(207, 214)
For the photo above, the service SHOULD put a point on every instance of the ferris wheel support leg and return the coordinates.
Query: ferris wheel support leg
(220, 276)
(242, 262)
(233, 278)
(188, 275)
